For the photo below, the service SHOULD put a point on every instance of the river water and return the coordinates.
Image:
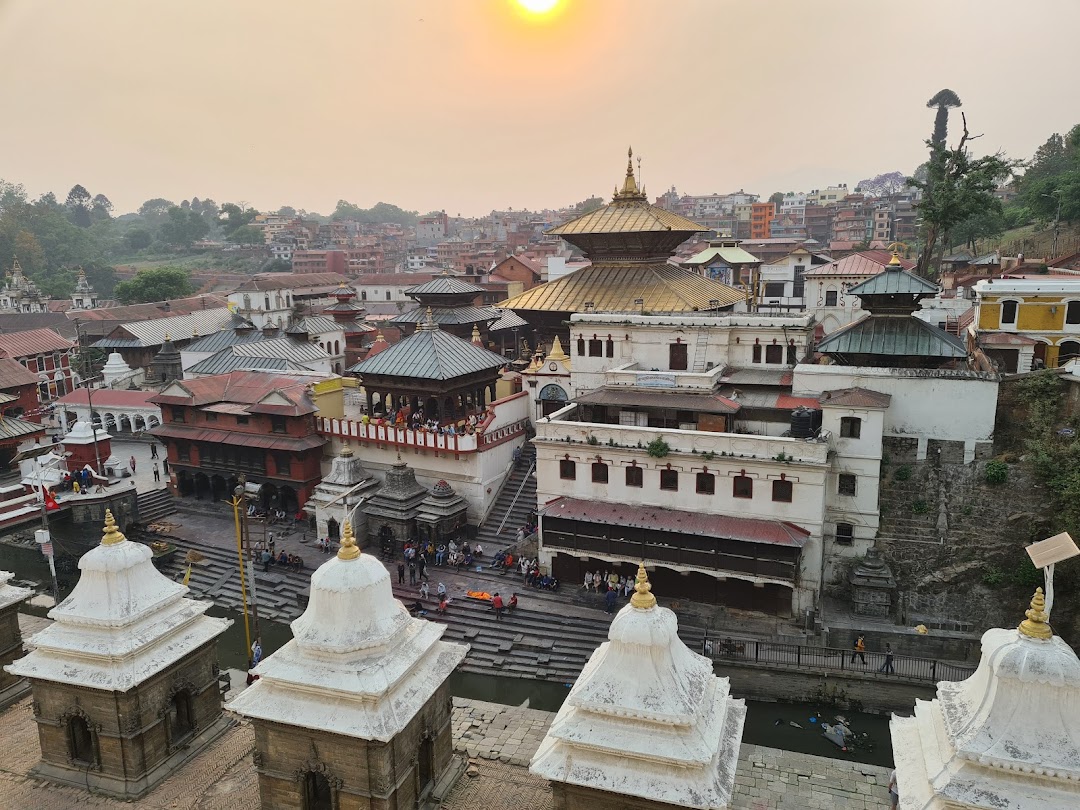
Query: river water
(768, 724)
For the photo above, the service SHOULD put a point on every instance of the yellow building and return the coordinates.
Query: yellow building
(1030, 323)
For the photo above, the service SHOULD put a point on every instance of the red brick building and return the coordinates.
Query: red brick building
(245, 422)
(320, 261)
(44, 353)
(18, 391)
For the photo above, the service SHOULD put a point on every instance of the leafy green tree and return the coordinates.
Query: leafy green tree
(100, 208)
(138, 238)
(78, 205)
(286, 211)
(377, 214)
(588, 205)
(155, 284)
(183, 228)
(957, 187)
(232, 216)
(247, 235)
(1050, 188)
(776, 198)
(984, 224)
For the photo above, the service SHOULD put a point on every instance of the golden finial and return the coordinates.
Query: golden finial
(349, 550)
(1035, 626)
(476, 339)
(112, 534)
(643, 597)
(346, 452)
(895, 260)
(630, 162)
(168, 337)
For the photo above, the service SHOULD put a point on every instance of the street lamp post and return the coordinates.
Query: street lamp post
(235, 502)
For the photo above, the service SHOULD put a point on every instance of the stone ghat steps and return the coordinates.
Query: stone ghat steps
(488, 534)
(154, 505)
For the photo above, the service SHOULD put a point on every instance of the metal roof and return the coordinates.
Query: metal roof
(635, 216)
(730, 255)
(662, 288)
(895, 281)
(142, 312)
(655, 518)
(109, 398)
(318, 324)
(179, 327)
(263, 282)
(449, 315)
(273, 442)
(14, 374)
(892, 335)
(299, 351)
(14, 428)
(430, 354)
(444, 285)
(222, 339)
(225, 362)
(863, 263)
(758, 376)
(673, 399)
(508, 319)
(239, 386)
(32, 342)
(855, 398)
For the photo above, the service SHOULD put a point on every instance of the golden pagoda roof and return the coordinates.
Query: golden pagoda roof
(628, 212)
(610, 287)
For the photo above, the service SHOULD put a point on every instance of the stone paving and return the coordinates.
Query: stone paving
(493, 731)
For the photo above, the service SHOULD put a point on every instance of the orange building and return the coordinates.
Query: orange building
(761, 216)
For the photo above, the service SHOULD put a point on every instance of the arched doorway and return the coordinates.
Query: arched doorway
(110, 422)
(431, 408)
(425, 764)
(552, 397)
(317, 792)
(270, 497)
(1069, 350)
(124, 424)
(333, 529)
(202, 486)
(218, 487)
(137, 423)
(181, 716)
(290, 503)
(184, 483)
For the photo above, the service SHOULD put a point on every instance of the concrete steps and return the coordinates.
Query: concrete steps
(154, 505)
(516, 513)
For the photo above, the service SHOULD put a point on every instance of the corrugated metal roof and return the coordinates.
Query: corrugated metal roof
(444, 285)
(885, 335)
(863, 263)
(13, 428)
(449, 315)
(730, 255)
(318, 324)
(296, 350)
(747, 530)
(109, 398)
(239, 386)
(225, 362)
(14, 374)
(222, 339)
(430, 354)
(758, 376)
(508, 319)
(636, 216)
(895, 281)
(675, 399)
(263, 282)
(272, 442)
(179, 327)
(142, 312)
(32, 342)
(612, 287)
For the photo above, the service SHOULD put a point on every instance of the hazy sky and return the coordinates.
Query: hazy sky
(468, 105)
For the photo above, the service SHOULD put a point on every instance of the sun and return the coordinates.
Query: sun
(538, 6)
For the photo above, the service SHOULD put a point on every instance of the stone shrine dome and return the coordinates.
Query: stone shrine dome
(647, 717)
(1008, 737)
(359, 665)
(123, 623)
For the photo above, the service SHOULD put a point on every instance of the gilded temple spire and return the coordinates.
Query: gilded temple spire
(112, 534)
(1035, 625)
(643, 597)
(349, 550)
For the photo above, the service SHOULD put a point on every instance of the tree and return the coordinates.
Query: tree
(957, 187)
(138, 238)
(157, 207)
(286, 211)
(100, 208)
(984, 224)
(155, 284)
(78, 205)
(379, 213)
(883, 185)
(183, 228)
(1050, 188)
(248, 235)
(777, 198)
(943, 100)
(590, 204)
(232, 216)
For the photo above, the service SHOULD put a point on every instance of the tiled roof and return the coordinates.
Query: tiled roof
(109, 398)
(893, 336)
(449, 315)
(263, 282)
(855, 398)
(239, 386)
(35, 341)
(13, 374)
(655, 518)
(863, 263)
(142, 312)
(430, 354)
(444, 285)
(529, 263)
(663, 289)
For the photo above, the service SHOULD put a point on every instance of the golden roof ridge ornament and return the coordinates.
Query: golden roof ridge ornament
(1035, 625)
(630, 191)
(895, 261)
(643, 598)
(349, 550)
(112, 534)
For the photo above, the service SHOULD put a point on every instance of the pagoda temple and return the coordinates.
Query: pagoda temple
(390, 514)
(339, 493)
(1007, 738)
(647, 725)
(125, 679)
(629, 243)
(20, 294)
(452, 303)
(354, 711)
(349, 316)
(891, 336)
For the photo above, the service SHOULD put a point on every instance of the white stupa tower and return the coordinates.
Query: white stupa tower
(1007, 738)
(84, 296)
(125, 679)
(356, 705)
(115, 370)
(647, 720)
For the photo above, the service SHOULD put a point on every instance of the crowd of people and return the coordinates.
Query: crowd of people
(405, 418)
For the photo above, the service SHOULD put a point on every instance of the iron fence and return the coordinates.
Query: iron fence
(834, 659)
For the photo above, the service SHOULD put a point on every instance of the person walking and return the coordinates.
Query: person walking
(609, 601)
(401, 573)
(157, 473)
(132, 465)
(497, 603)
(887, 667)
(412, 572)
(423, 567)
(153, 450)
(859, 650)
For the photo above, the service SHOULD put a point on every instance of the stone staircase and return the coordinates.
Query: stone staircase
(514, 504)
(154, 505)
(533, 642)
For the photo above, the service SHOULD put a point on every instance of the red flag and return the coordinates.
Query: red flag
(50, 502)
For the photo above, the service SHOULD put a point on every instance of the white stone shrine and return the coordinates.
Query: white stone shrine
(11, 598)
(1007, 738)
(356, 703)
(647, 722)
